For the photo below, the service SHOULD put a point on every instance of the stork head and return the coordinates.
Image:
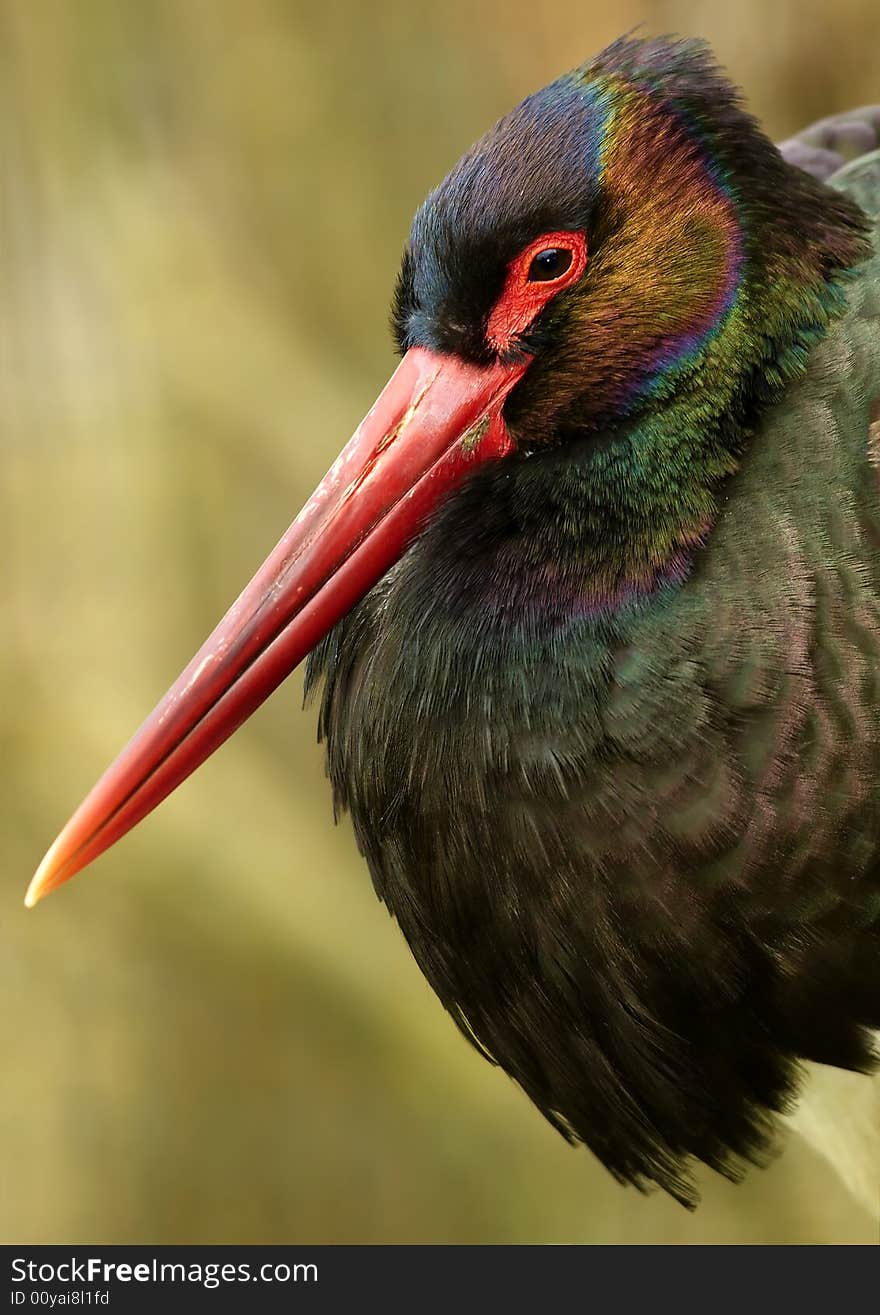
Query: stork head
(631, 232)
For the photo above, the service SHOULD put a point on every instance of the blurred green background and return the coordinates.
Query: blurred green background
(217, 1034)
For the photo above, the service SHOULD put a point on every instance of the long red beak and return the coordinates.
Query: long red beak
(436, 418)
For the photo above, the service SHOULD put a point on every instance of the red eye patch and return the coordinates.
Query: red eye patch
(552, 262)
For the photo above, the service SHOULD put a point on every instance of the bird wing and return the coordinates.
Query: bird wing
(745, 717)
(825, 146)
(860, 179)
(839, 1114)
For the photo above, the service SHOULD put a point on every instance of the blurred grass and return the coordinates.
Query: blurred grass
(218, 1035)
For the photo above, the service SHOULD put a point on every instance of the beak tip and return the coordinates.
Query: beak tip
(45, 879)
(32, 897)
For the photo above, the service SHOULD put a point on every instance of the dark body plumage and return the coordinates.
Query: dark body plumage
(610, 733)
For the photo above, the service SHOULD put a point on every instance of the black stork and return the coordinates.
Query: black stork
(592, 599)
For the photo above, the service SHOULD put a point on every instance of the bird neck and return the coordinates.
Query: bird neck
(587, 529)
(595, 526)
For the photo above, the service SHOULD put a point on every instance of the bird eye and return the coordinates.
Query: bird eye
(549, 264)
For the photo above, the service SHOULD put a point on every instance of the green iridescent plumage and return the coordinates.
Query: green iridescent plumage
(610, 731)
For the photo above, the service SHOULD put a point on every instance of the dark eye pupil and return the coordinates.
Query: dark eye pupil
(549, 264)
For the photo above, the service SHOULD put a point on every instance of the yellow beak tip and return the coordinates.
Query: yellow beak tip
(33, 895)
(42, 882)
